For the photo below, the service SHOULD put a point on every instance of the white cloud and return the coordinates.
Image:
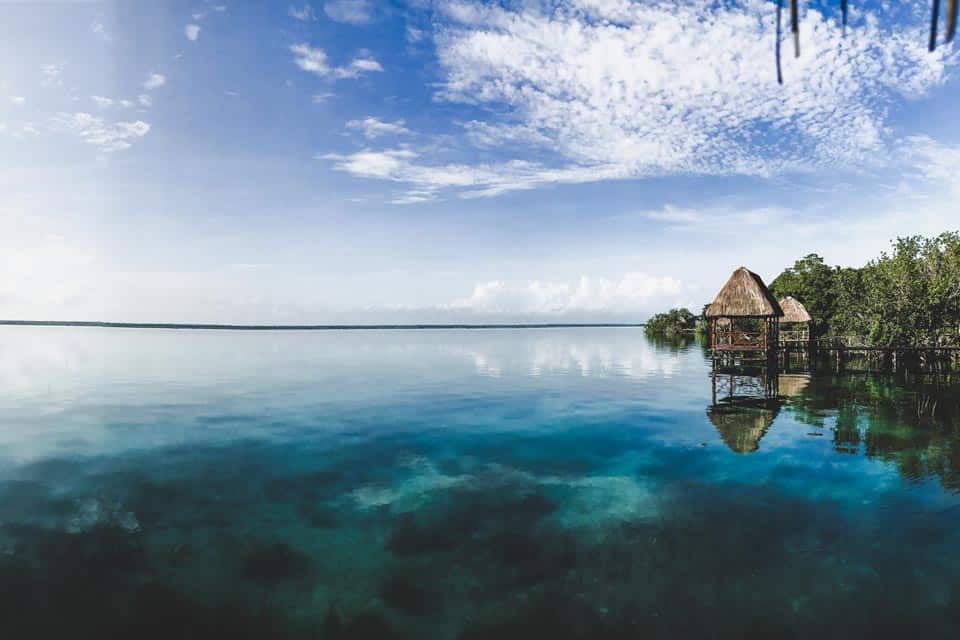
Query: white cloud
(51, 74)
(100, 31)
(203, 13)
(350, 11)
(107, 137)
(662, 87)
(414, 34)
(306, 14)
(632, 293)
(18, 100)
(936, 162)
(778, 235)
(427, 181)
(361, 65)
(373, 128)
(314, 60)
(192, 31)
(310, 59)
(485, 135)
(103, 102)
(320, 98)
(19, 131)
(154, 81)
(719, 220)
(623, 89)
(145, 100)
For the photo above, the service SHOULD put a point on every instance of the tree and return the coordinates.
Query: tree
(811, 281)
(850, 317)
(913, 293)
(673, 322)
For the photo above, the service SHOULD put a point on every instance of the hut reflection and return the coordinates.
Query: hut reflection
(745, 402)
(742, 423)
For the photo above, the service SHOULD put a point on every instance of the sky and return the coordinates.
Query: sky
(454, 160)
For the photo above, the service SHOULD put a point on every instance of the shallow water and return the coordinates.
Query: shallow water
(556, 483)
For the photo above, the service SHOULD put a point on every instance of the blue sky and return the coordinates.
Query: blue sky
(453, 160)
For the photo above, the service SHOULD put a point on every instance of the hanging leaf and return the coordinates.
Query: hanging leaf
(777, 48)
(795, 26)
(933, 24)
(951, 19)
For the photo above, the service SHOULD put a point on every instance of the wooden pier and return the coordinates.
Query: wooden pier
(840, 354)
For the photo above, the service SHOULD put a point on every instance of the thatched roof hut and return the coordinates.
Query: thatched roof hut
(793, 311)
(744, 296)
(744, 300)
(741, 426)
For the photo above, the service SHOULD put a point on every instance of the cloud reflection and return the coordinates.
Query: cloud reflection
(588, 354)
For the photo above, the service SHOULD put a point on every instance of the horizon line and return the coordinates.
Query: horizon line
(309, 327)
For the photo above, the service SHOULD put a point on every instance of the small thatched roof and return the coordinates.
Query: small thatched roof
(741, 426)
(744, 295)
(794, 311)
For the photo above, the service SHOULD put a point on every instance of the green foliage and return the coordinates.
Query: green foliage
(671, 323)
(911, 295)
(907, 297)
(811, 282)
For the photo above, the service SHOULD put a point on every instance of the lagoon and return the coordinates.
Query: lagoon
(489, 483)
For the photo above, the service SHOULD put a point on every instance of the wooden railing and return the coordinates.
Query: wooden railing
(794, 335)
(744, 339)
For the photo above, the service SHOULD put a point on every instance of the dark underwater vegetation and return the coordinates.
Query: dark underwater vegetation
(464, 485)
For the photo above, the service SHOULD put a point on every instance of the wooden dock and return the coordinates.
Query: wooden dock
(837, 354)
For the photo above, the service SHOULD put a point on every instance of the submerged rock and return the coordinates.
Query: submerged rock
(403, 595)
(368, 626)
(332, 624)
(527, 559)
(411, 538)
(318, 517)
(274, 563)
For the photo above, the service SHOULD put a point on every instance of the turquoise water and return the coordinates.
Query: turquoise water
(557, 483)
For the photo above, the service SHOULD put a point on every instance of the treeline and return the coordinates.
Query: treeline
(672, 323)
(907, 297)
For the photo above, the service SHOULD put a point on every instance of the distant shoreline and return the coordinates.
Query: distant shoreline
(306, 327)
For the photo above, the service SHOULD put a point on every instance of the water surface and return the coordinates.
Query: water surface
(561, 483)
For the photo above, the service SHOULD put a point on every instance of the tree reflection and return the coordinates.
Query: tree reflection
(912, 423)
